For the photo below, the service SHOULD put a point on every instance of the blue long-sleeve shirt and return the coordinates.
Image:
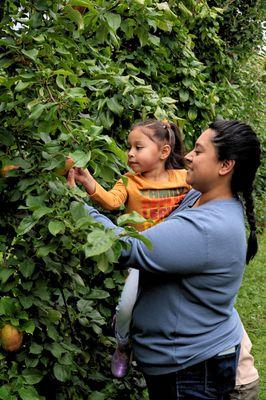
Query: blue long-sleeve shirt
(184, 313)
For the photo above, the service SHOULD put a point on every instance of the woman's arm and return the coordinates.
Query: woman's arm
(179, 245)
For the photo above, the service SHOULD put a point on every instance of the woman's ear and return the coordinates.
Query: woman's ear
(165, 151)
(227, 166)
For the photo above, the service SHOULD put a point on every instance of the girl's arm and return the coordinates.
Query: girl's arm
(84, 177)
(109, 200)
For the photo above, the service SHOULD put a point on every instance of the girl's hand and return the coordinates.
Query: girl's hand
(84, 177)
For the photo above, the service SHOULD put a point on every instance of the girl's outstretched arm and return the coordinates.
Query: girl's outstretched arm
(108, 199)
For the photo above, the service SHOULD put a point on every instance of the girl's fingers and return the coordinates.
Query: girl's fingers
(71, 178)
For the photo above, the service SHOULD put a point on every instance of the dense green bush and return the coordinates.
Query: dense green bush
(72, 81)
(246, 102)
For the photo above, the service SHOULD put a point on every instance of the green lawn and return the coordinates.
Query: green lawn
(251, 305)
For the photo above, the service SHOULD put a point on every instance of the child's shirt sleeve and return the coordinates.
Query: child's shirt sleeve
(110, 199)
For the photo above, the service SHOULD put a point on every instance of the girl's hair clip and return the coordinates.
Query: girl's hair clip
(165, 123)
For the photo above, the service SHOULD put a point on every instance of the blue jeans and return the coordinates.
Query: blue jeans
(212, 379)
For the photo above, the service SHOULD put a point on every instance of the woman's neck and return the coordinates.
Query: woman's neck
(214, 194)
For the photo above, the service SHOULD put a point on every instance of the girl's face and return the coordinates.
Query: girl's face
(144, 155)
(203, 164)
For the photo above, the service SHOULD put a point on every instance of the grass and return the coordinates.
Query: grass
(251, 306)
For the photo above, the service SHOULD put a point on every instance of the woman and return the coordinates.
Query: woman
(185, 331)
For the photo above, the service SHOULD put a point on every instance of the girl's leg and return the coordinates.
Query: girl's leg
(121, 357)
(125, 306)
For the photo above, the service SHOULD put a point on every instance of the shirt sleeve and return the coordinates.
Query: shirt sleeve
(179, 246)
(112, 199)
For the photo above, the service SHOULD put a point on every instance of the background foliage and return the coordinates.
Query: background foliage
(74, 76)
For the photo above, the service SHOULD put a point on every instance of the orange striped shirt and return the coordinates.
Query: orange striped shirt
(153, 200)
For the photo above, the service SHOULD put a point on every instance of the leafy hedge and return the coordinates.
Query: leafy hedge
(74, 76)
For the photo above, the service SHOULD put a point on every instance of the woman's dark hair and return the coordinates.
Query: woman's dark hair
(165, 132)
(237, 141)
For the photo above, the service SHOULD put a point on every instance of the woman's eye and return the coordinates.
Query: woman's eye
(138, 147)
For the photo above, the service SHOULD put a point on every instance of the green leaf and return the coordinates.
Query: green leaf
(56, 349)
(75, 16)
(98, 242)
(52, 332)
(25, 226)
(8, 306)
(21, 86)
(66, 359)
(32, 54)
(26, 302)
(34, 202)
(36, 348)
(32, 376)
(28, 327)
(5, 392)
(169, 100)
(43, 251)
(109, 283)
(183, 95)
(60, 81)
(37, 111)
(40, 212)
(113, 20)
(84, 306)
(97, 396)
(5, 273)
(114, 106)
(77, 210)
(132, 218)
(54, 315)
(192, 114)
(98, 294)
(155, 40)
(56, 226)
(28, 393)
(80, 158)
(27, 268)
(103, 263)
(135, 234)
(61, 372)
(77, 278)
(76, 93)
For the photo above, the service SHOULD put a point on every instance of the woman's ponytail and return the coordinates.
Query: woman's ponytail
(252, 240)
(237, 141)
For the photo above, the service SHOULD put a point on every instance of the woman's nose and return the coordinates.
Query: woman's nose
(188, 157)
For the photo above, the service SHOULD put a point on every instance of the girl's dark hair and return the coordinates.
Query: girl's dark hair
(237, 141)
(165, 131)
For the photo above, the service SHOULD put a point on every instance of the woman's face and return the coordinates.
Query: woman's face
(203, 164)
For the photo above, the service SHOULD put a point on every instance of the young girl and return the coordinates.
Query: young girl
(154, 189)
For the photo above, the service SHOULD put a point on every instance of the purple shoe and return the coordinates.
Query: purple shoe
(120, 361)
